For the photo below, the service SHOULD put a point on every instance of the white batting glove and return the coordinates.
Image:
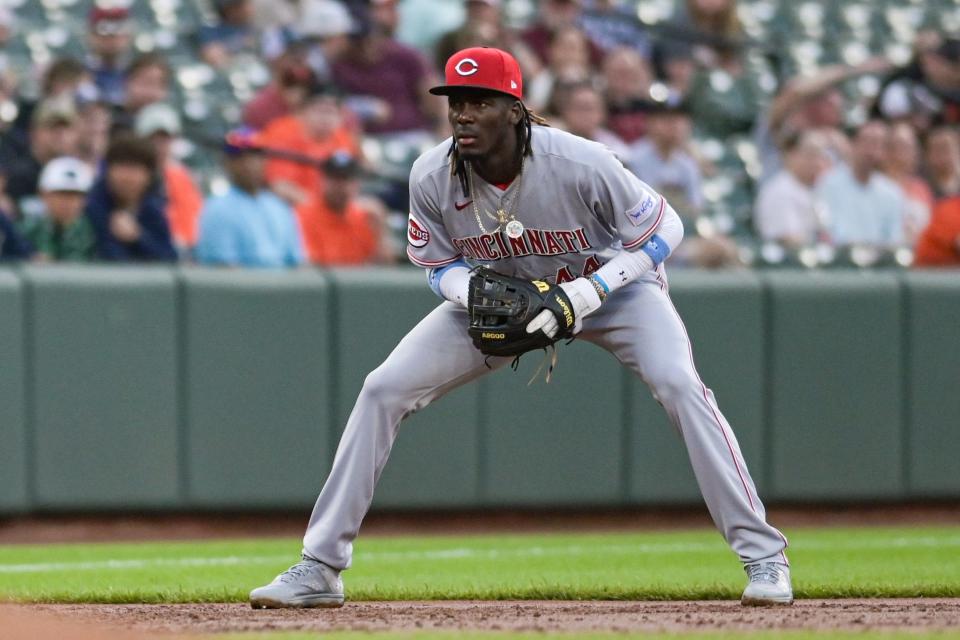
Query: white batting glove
(585, 301)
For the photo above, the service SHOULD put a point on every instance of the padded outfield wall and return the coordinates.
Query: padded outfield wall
(183, 388)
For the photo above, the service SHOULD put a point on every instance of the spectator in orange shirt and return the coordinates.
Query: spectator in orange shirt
(314, 131)
(939, 244)
(161, 125)
(339, 228)
(902, 165)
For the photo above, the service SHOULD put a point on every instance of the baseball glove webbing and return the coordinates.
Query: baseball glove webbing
(500, 308)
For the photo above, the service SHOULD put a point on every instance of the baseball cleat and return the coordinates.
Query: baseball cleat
(769, 585)
(307, 584)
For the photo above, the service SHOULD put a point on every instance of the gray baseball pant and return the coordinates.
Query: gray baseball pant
(637, 324)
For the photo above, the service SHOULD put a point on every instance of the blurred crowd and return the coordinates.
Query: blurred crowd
(775, 148)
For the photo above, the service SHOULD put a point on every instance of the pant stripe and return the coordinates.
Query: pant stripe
(716, 419)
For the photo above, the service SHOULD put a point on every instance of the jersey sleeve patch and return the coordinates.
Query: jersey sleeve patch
(417, 234)
(643, 209)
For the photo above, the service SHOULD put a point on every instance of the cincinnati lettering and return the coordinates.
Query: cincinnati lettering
(536, 242)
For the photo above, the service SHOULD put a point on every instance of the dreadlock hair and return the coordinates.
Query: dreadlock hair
(524, 129)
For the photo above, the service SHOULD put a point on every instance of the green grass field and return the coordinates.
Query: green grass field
(828, 563)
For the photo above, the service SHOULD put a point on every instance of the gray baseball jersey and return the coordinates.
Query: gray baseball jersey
(573, 209)
(577, 206)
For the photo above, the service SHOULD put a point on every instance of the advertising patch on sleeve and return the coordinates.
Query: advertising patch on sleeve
(417, 234)
(643, 209)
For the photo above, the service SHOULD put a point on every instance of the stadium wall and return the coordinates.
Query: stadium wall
(188, 389)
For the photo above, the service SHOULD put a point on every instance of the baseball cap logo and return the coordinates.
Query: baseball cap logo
(467, 67)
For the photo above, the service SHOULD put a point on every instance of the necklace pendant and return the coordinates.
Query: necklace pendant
(501, 216)
(514, 229)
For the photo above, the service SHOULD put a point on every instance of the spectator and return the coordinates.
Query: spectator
(583, 112)
(864, 207)
(109, 38)
(160, 124)
(339, 228)
(901, 165)
(147, 81)
(63, 233)
(6, 204)
(9, 78)
(610, 24)
(725, 99)
(8, 25)
(285, 94)
(926, 91)
(552, 16)
(387, 84)
(126, 205)
(324, 29)
(804, 103)
(481, 28)
(12, 245)
(939, 244)
(713, 27)
(314, 132)
(568, 61)
(66, 79)
(248, 226)
(788, 210)
(675, 64)
(232, 34)
(627, 79)
(95, 123)
(53, 132)
(383, 15)
(943, 162)
(663, 161)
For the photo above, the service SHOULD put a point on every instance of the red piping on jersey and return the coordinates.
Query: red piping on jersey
(723, 432)
(431, 264)
(663, 284)
(653, 228)
(503, 186)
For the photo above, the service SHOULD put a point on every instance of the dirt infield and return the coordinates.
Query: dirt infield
(858, 615)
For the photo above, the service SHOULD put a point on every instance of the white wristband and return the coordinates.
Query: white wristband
(585, 300)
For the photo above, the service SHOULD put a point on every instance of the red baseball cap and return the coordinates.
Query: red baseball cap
(482, 68)
(115, 14)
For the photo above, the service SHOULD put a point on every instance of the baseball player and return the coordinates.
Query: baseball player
(530, 201)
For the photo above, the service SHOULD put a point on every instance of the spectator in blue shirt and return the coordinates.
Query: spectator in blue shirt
(864, 207)
(12, 244)
(110, 38)
(662, 159)
(248, 226)
(234, 33)
(126, 204)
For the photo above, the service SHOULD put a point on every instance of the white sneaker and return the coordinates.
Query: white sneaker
(309, 583)
(769, 585)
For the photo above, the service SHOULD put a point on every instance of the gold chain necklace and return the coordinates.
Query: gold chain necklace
(505, 220)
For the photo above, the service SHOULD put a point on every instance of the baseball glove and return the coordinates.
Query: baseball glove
(501, 307)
